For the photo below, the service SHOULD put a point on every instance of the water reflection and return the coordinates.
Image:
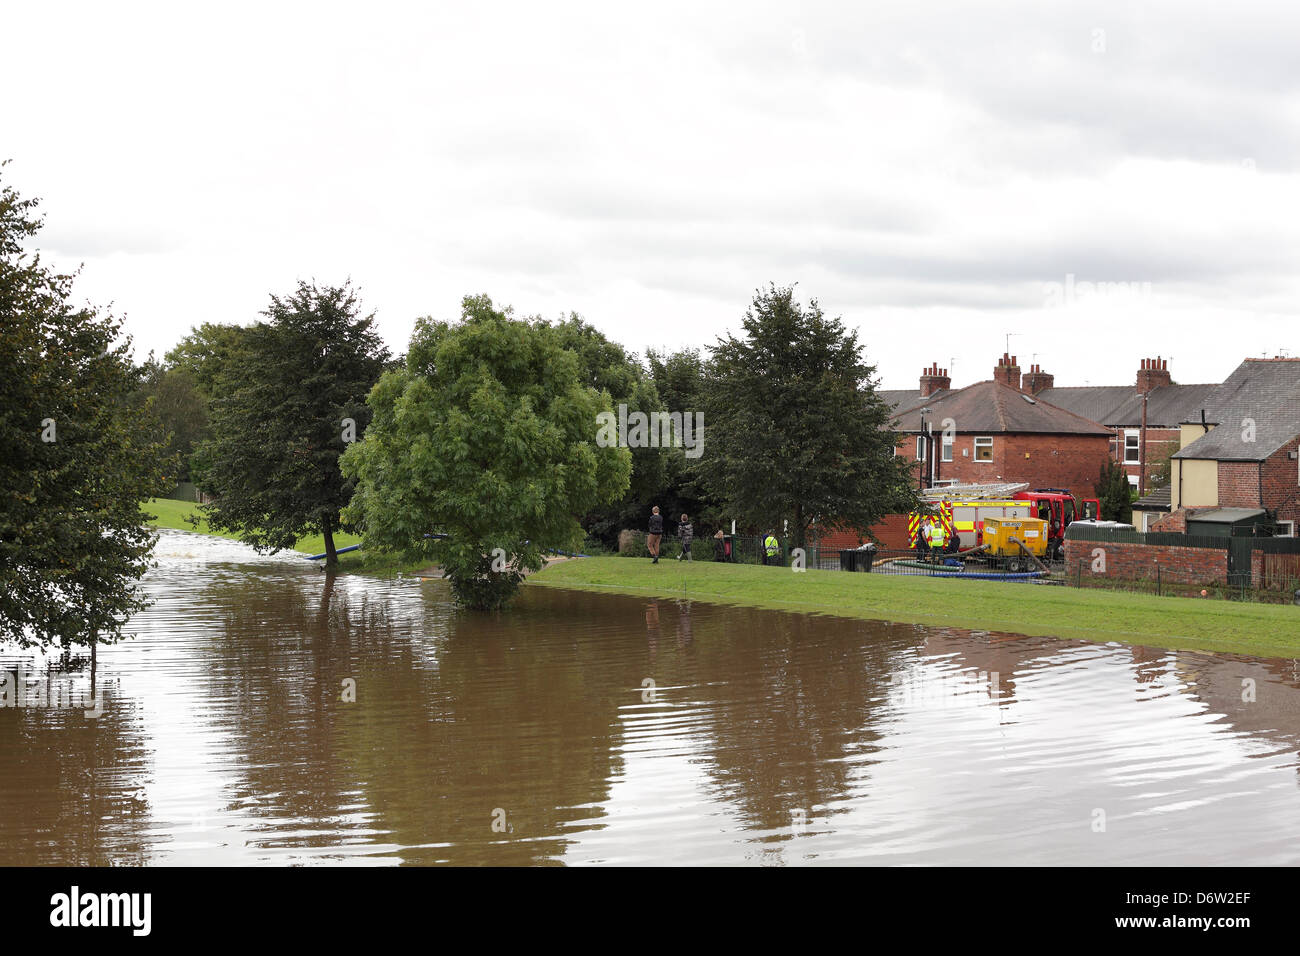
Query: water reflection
(72, 787)
(268, 712)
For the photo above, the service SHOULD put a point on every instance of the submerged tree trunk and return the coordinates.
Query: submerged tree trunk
(331, 556)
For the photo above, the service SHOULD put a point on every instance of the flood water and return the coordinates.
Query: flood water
(587, 728)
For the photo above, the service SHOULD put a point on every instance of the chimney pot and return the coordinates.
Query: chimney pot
(1154, 373)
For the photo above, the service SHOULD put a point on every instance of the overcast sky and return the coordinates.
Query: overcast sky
(926, 170)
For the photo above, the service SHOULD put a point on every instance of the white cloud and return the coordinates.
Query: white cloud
(923, 171)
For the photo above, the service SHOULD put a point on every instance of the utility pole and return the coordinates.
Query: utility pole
(925, 451)
(1142, 448)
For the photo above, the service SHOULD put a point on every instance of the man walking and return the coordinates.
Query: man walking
(656, 534)
(685, 532)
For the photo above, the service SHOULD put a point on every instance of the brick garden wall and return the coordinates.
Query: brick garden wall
(891, 532)
(1133, 562)
(1175, 522)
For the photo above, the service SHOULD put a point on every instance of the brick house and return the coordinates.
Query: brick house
(996, 431)
(1242, 449)
(1145, 419)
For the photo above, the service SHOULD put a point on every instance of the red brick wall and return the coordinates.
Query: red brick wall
(1175, 522)
(1282, 483)
(1054, 461)
(1160, 442)
(1128, 562)
(891, 533)
(1239, 484)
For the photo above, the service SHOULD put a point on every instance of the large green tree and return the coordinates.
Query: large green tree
(205, 357)
(207, 354)
(794, 428)
(488, 435)
(79, 457)
(679, 379)
(180, 411)
(607, 367)
(283, 414)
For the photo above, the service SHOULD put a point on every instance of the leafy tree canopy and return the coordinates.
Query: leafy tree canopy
(794, 428)
(607, 367)
(79, 459)
(284, 413)
(1115, 493)
(179, 411)
(488, 436)
(206, 354)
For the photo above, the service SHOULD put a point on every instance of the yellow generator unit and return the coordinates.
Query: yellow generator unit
(1001, 535)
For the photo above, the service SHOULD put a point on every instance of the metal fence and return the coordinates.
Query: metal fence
(1280, 565)
(750, 549)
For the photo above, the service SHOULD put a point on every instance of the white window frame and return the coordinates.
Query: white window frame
(945, 448)
(920, 447)
(1137, 446)
(1290, 529)
(975, 449)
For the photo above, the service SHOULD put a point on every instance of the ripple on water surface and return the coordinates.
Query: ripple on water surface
(265, 712)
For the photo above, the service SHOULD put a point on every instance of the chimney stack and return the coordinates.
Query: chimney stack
(1154, 373)
(1037, 380)
(934, 379)
(1007, 371)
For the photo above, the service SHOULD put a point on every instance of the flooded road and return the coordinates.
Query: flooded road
(267, 714)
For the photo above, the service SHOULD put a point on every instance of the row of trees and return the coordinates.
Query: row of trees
(476, 449)
(484, 432)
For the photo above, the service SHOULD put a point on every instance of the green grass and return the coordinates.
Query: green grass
(172, 514)
(1263, 630)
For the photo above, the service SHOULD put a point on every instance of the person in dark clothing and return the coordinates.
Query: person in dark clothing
(685, 533)
(720, 546)
(656, 534)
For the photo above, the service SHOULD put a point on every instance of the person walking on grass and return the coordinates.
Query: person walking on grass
(685, 532)
(656, 533)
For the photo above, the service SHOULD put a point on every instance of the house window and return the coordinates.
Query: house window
(984, 449)
(1131, 452)
(920, 448)
(1286, 529)
(946, 449)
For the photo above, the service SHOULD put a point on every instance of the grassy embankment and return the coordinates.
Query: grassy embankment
(172, 514)
(1265, 630)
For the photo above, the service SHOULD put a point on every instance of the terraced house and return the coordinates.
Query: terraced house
(1144, 419)
(995, 431)
(1239, 456)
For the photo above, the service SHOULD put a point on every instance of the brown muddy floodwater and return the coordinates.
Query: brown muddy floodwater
(591, 728)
